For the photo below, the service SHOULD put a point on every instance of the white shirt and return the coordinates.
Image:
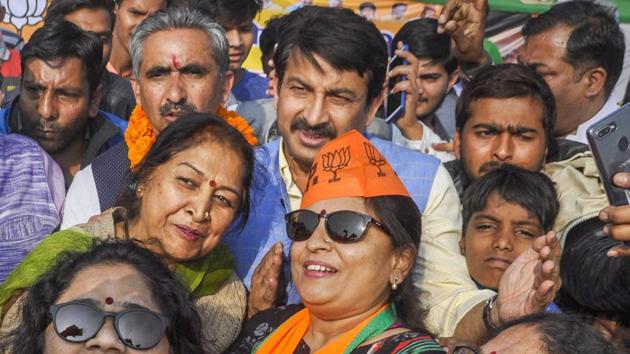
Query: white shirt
(82, 199)
(580, 135)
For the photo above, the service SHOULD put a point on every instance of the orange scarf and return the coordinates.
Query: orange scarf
(140, 136)
(287, 337)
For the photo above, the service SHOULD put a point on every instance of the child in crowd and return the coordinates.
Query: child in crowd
(503, 212)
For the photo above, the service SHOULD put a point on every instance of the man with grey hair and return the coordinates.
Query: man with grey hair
(180, 65)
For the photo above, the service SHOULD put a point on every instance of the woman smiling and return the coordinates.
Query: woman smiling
(181, 199)
(355, 240)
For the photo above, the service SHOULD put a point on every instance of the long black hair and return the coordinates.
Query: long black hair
(403, 220)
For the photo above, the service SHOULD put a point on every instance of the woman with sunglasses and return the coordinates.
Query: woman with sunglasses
(116, 297)
(181, 199)
(355, 240)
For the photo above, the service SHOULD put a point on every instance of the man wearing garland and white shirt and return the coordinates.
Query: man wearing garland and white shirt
(178, 45)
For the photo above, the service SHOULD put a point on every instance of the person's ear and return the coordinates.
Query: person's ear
(457, 145)
(373, 108)
(95, 101)
(140, 191)
(276, 88)
(403, 262)
(135, 85)
(452, 79)
(462, 246)
(595, 81)
(228, 83)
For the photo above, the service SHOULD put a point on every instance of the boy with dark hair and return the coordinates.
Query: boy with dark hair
(503, 212)
(437, 74)
(237, 18)
(129, 14)
(97, 17)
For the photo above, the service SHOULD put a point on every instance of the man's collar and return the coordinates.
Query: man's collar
(580, 133)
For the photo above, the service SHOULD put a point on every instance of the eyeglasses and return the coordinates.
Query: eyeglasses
(343, 226)
(78, 322)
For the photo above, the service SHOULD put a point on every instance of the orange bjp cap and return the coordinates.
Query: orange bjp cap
(350, 166)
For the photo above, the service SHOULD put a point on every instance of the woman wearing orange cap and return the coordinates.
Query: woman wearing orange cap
(355, 240)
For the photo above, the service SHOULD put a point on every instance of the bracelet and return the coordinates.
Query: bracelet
(487, 314)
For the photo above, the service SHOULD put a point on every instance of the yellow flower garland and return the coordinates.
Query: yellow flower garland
(139, 135)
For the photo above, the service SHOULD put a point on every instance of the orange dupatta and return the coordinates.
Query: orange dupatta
(287, 337)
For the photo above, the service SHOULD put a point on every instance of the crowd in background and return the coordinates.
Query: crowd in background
(157, 196)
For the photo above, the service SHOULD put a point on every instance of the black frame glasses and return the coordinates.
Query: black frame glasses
(137, 328)
(343, 226)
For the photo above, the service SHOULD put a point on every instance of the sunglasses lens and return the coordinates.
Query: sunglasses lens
(140, 329)
(301, 224)
(77, 322)
(345, 226)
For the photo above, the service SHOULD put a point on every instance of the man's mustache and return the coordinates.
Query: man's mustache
(180, 107)
(323, 130)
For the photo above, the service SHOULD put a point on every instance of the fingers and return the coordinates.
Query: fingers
(544, 294)
(444, 147)
(454, 17)
(264, 285)
(619, 251)
(618, 222)
(448, 9)
(622, 180)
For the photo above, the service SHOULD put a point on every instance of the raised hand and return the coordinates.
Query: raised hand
(408, 123)
(465, 22)
(618, 219)
(265, 281)
(530, 283)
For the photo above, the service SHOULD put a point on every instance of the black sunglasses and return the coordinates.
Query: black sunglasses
(343, 226)
(78, 322)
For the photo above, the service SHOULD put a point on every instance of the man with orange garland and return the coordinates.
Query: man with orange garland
(180, 65)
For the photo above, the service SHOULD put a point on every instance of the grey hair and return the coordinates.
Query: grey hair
(179, 18)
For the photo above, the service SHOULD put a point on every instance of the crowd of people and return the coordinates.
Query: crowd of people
(367, 199)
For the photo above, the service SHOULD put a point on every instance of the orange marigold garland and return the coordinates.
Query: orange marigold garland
(139, 135)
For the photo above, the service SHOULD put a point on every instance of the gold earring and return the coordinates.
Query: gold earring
(206, 215)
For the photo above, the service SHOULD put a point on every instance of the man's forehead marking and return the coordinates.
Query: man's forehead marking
(175, 62)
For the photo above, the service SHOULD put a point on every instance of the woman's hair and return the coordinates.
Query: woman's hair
(186, 132)
(184, 332)
(403, 221)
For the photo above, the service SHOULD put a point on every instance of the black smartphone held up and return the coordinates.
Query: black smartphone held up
(610, 142)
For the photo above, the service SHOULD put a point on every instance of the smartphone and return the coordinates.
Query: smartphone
(395, 107)
(609, 140)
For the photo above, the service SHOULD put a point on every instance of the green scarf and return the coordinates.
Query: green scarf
(201, 277)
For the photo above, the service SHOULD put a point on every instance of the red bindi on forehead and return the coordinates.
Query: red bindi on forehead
(175, 62)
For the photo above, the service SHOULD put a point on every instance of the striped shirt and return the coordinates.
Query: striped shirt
(32, 192)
